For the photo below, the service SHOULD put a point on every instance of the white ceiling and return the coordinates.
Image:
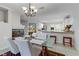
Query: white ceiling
(49, 8)
(17, 6)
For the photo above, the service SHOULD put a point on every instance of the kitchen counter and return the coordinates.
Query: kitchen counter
(58, 32)
(59, 36)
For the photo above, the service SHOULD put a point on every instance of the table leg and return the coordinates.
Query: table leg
(44, 51)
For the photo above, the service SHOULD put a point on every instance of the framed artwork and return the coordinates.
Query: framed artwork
(17, 32)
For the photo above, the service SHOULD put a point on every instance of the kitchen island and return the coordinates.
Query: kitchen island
(59, 37)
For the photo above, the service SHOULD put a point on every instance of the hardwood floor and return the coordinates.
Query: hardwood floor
(52, 53)
(46, 52)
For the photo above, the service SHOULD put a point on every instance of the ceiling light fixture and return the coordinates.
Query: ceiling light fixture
(30, 11)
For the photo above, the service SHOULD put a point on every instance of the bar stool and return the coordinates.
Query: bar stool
(53, 36)
(67, 40)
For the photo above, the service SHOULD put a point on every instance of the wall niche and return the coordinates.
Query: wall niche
(3, 15)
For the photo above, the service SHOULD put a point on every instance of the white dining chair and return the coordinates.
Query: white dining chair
(24, 47)
(41, 35)
(34, 35)
(12, 46)
(19, 38)
(36, 46)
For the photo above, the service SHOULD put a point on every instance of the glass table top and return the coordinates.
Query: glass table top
(47, 41)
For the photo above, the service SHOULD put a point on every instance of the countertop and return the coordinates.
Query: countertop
(57, 32)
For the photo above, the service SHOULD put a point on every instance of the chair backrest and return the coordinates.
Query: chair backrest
(41, 35)
(12, 46)
(24, 48)
(34, 35)
(19, 38)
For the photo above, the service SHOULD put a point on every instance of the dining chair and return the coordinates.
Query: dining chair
(34, 35)
(12, 46)
(20, 38)
(24, 47)
(36, 46)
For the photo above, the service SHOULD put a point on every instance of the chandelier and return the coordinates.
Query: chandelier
(30, 11)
